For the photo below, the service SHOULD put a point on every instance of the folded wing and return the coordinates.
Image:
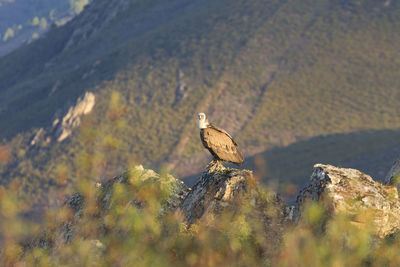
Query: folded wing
(221, 145)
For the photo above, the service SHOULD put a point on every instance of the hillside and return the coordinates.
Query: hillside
(272, 73)
(22, 21)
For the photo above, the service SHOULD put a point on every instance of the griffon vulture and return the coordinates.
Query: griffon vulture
(220, 144)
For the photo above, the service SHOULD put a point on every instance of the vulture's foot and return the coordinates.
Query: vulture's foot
(214, 165)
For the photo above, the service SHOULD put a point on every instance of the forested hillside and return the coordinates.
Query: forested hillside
(278, 75)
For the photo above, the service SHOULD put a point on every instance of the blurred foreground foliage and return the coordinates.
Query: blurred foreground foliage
(347, 64)
(141, 233)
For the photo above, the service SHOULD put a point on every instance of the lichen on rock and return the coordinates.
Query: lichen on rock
(214, 190)
(351, 192)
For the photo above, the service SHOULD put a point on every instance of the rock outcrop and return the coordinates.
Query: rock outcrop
(65, 231)
(63, 126)
(177, 192)
(215, 190)
(220, 189)
(84, 105)
(352, 192)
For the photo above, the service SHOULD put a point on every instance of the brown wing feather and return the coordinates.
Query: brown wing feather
(221, 145)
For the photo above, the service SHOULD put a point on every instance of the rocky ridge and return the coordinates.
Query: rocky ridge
(341, 191)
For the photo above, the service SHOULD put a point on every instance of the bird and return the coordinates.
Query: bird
(220, 144)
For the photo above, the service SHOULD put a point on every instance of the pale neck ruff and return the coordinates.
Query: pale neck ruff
(203, 124)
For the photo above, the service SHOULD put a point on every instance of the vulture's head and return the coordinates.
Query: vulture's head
(203, 122)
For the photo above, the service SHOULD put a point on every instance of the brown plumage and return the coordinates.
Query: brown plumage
(220, 144)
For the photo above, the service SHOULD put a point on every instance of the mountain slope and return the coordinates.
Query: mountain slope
(23, 21)
(271, 72)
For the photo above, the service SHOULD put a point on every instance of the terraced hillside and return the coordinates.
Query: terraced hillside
(273, 73)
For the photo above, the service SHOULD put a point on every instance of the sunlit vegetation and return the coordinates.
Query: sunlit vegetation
(132, 228)
(8, 34)
(35, 21)
(76, 6)
(338, 241)
(283, 71)
(25, 17)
